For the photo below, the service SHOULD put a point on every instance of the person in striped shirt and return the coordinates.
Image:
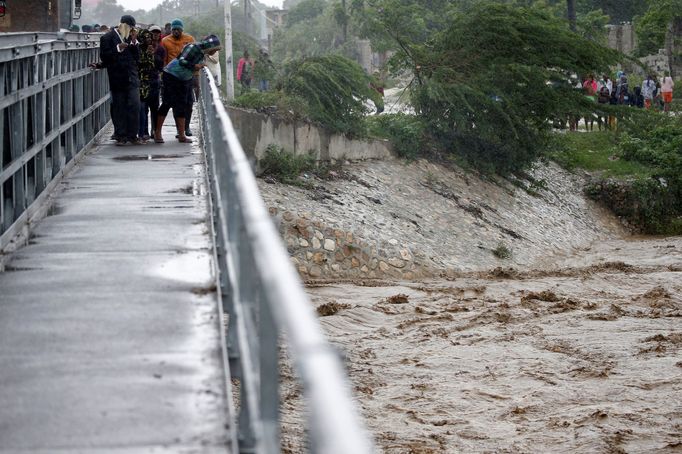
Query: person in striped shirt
(177, 83)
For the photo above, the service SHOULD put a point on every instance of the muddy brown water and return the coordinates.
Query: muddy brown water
(580, 355)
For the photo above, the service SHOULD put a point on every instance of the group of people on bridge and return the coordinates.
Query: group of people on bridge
(152, 73)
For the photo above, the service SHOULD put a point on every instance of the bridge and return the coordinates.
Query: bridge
(145, 293)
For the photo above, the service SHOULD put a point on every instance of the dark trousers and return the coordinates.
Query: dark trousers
(125, 111)
(147, 105)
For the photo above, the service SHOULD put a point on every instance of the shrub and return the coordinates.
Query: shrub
(502, 251)
(257, 100)
(285, 166)
(650, 203)
(406, 132)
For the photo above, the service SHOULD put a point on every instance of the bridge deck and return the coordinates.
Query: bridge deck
(109, 328)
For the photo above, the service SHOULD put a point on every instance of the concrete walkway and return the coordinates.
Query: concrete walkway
(109, 327)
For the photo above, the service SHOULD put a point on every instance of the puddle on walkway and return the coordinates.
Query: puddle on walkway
(192, 267)
(147, 157)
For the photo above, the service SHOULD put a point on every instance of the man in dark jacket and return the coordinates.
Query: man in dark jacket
(120, 55)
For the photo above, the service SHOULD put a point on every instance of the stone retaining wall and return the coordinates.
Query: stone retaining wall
(256, 131)
(321, 251)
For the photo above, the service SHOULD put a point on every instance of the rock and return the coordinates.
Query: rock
(346, 250)
(318, 235)
(302, 224)
(319, 258)
(303, 243)
(405, 254)
(396, 262)
(373, 263)
(349, 237)
(315, 271)
(308, 255)
(383, 266)
(316, 243)
(329, 245)
(302, 270)
(288, 216)
(339, 234)
(364, 269)
(393, 241)
(336, 267)
(294, 260)
(354, 263)
(272, 211)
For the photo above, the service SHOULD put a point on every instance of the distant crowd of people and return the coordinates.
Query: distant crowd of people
(152, 71)
(652, 94)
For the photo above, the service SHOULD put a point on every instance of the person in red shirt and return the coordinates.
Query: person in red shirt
(590, 90)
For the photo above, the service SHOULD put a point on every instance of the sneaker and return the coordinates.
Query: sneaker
(188, 132)
(122, 143)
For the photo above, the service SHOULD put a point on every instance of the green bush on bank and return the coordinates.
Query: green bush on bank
(405, 132)
(639, 166)
(285, 166)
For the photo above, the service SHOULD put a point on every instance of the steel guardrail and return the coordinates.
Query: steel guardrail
(263, 297)
(51, 108)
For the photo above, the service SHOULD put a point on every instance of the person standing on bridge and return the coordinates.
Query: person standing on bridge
(177, 81)
(174, 44)
(120, 54)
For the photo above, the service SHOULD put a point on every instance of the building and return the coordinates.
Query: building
(37, 15)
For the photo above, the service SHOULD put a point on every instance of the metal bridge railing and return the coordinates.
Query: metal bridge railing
(51, 108)
(263, 295)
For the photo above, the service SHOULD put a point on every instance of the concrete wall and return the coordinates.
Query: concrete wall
(622, 38)
(256, 131)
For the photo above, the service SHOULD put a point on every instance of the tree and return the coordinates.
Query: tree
(651, 28)
(491, 77)
(333, 88)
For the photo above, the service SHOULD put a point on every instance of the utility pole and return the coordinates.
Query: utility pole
(229, 78)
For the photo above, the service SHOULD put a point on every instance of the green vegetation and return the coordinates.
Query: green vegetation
(639, 169)
(502, 251)
(331, 90)
(652, 26)
(406, 133)
(595, 152)
(284, 166)
(334, 89)
(481, 82)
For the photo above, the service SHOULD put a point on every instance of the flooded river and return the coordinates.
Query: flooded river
(579, 355)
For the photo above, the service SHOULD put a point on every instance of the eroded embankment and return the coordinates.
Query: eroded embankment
(394, 220)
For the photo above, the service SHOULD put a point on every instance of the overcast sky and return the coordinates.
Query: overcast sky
(149, 4)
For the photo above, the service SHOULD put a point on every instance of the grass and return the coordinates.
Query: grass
(595, 152)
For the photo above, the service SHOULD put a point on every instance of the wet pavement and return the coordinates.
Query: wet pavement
(109, 325)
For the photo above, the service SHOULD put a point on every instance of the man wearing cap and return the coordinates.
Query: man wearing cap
(120, 54)
(177, 81)
(173, 44)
